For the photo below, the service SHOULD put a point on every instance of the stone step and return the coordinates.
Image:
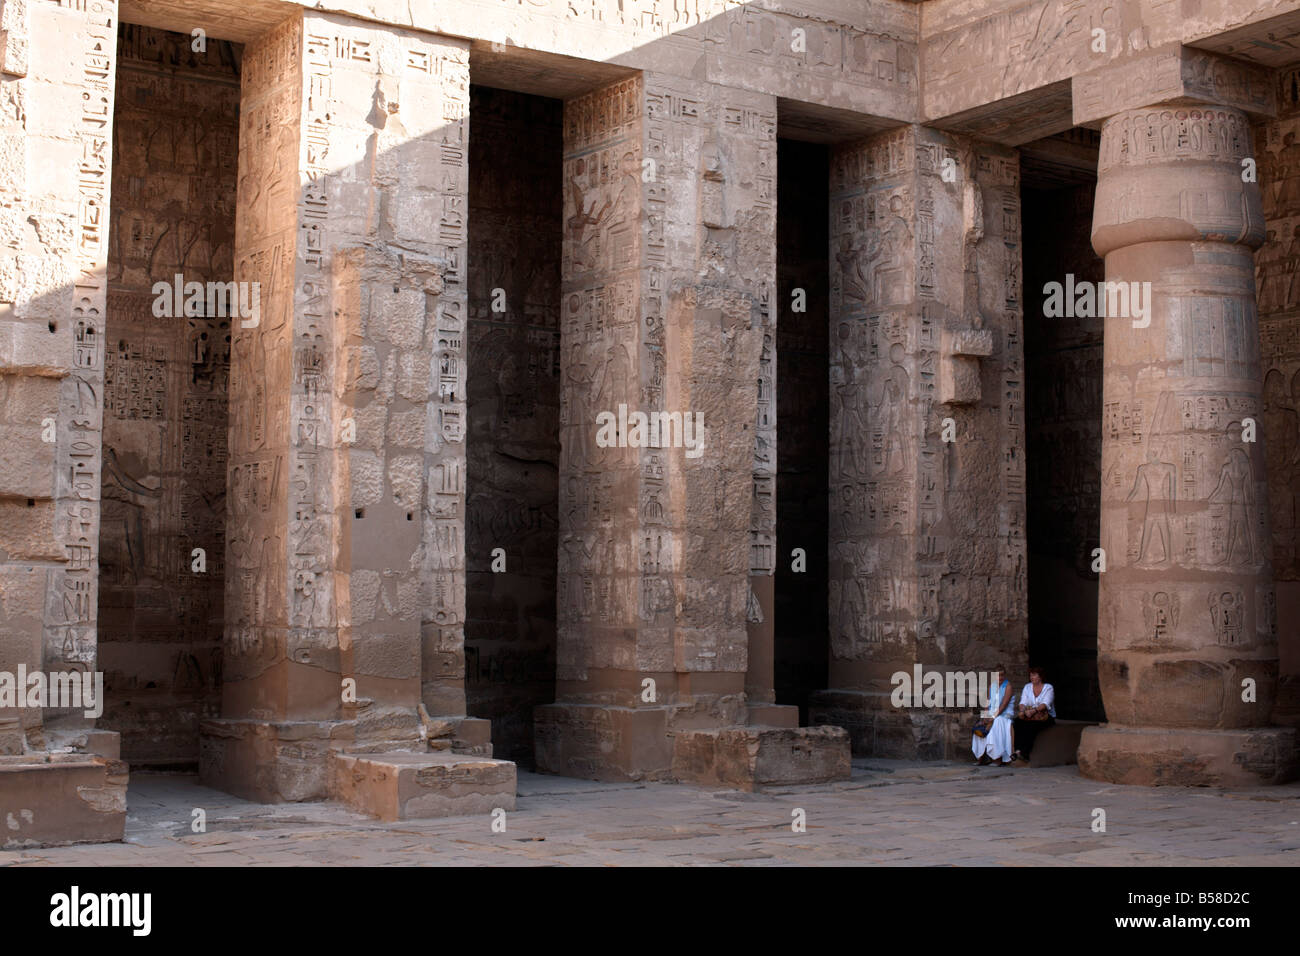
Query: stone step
(58, 799)
(1058, 745)
(413, 786)
(772, 715)
(748, 758)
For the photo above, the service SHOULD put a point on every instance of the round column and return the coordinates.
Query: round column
(1187, 635)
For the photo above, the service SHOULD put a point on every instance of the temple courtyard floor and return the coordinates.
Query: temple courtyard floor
(890, 813)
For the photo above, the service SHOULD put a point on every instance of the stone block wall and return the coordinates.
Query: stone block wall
(56, 120)
(927, 471)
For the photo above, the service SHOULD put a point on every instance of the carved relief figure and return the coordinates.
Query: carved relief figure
(1280, 425)
(850, 443)
(1156, 487)
(1235, 489)
(850, 259)
(1160, 613)
(890, 252)
(1226, 613)
(890, 414)
(1288, 172)
(582, 224)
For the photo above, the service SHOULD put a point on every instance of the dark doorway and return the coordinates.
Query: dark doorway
(1063, 363)
(163, 511)
(802, 420)
(515, 238)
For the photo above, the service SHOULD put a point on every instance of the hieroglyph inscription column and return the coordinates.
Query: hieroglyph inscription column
(1187, 637)
(668, 267)
(56, 116)
(345, 592)
(926, 459)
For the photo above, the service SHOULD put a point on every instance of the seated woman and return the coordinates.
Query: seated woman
(1036, 710)
(996, 744)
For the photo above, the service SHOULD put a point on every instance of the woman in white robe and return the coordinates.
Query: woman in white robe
(995, 746)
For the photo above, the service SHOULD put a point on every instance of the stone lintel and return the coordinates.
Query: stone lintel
(1175, 75)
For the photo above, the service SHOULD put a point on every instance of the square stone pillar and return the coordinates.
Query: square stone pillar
(1278, 297)
(56, 117)
(345, 543)
(926, 530)
(668, 269)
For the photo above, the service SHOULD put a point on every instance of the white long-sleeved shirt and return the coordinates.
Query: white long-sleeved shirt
(1046, 696)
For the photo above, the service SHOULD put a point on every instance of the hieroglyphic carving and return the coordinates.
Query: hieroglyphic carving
(739, 35)
(629, 310)
(72, 590)
(716, 155)
(1277, 277)
(1159, 135)
(1184, 505)
(361, 345)
(602, 294)
(1175, 73)
(909, 301)
(260, 370)
(165, 385)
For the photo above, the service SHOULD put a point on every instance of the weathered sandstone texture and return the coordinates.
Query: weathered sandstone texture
(404, 521)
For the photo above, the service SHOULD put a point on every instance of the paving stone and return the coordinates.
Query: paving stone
(1035, 819)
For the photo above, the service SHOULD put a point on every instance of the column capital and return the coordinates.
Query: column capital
(1176, 75)
(1176, 172)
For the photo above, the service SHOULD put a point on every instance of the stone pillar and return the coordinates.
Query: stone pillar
(668, 268)
(345, 542)
(1187, 635)
(926, 470)
(56, 117)
(1278, 295)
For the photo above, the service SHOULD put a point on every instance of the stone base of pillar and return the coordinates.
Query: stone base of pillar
(288, 761)
(603, 742)
(61, 799)
(665, 743)
(879, 729)
(1156, 756)
(419, 786)
(748, 758)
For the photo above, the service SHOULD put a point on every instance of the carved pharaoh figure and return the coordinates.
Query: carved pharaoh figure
(1235, 490)
(890, 412)
(1156, 487)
